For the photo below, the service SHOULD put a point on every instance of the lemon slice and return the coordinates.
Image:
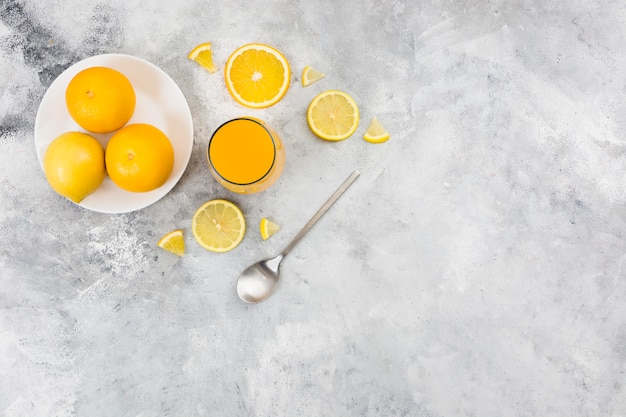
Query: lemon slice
(310, 76)
(173, 242)
(268, 228)
(257, 75)
(375, 132)
(203, 55)
(333, 115)
(218, 225)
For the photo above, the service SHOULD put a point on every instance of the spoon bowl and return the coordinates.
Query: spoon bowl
(257, 282)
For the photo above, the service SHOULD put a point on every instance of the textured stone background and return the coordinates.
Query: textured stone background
(475, 268)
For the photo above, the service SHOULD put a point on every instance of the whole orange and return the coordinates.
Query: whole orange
(139, 158)
(100, 99)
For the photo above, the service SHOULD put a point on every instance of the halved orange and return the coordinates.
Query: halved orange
(257, 75)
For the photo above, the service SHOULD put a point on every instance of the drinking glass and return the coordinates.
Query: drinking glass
(245, 155)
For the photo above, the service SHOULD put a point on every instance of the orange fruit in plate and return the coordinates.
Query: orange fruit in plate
(139, 158)
(257, 75)
(74, 165)
(100, 99)
(173, 242)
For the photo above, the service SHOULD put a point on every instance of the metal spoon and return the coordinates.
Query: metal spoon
(257, 282)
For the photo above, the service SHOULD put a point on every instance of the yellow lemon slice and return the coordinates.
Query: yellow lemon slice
(376, 133)
(257, 75)
(333, 115)
(268, 228)
(173, 242)
(203, 55)
(218, 225)
(310, 76)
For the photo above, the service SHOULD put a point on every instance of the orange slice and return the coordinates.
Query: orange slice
(203, 55)
(257, 75)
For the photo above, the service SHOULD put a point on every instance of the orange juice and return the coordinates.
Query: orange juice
(246, 155)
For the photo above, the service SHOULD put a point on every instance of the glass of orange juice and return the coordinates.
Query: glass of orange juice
(246, 155)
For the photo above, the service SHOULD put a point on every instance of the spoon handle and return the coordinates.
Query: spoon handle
(342, 188)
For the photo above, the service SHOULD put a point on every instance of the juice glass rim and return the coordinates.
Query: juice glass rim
(267, 130)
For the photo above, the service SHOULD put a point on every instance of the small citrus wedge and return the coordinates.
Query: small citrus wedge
(333, 115)
(268, 228)
(376, 133)
(310, 76)
(257, 75)
(218, 225)
(203, 55)
(173, 242)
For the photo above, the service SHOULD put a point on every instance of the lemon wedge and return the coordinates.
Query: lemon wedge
(333, 115)
(173, 242)
(218, 225)
(310, 76)
(203, 55)
(375, 132)
(268, 228)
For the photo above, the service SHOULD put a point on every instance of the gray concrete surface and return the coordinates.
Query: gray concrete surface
(475, 268)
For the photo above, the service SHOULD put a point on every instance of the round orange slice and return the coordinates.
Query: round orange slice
(257, 75)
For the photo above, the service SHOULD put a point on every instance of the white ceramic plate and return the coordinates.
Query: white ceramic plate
(159, 102)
